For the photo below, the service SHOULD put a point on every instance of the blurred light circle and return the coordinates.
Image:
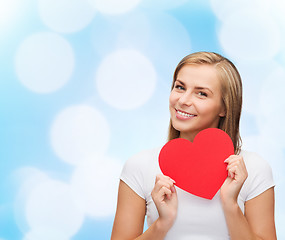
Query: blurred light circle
(272, 153)
(50, 207)
(253, 75)
(271, 114)
(121, 32)
(44, 62)
(45, 233)
(169, 43)
(130, 35)
(78, 133)
(66, 16)
(126, 79)
(250, 36)
(224, 8)
(27, 178)
(163, 4)
(277, 9)
(114, 7)
(9, 11)
(95, 186)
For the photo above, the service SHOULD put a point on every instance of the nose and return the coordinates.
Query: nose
(186, 99)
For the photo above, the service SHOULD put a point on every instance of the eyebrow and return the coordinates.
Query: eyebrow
(197, 87)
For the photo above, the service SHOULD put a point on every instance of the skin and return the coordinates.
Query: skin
(197, 92)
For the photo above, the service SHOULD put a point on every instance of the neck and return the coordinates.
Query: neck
(189, 136)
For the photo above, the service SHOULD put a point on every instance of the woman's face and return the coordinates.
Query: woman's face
(195, 102)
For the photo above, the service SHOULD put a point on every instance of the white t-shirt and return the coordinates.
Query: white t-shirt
(197, 218)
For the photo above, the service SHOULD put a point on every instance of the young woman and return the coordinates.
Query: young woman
(206, 93)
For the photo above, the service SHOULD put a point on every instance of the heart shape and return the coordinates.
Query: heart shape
(198, 167)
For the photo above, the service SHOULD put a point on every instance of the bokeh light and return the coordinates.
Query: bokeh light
(45, 233)
(51, 209)
(64, 15)
(256, 38)
(162, 4)
(79, 133)
(224, 9)
(27, 178)
(131, 30)
(114, 7)
(169, 43)
(126, 79)
(93, 178)
(44, 62)
(272, 102)
(9, 10)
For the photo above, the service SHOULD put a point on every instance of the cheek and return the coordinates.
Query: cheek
(172, 99)
(208, 108)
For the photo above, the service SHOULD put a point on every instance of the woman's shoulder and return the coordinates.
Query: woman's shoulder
(143, 161)
(145, 156)
(140, 170)
(253, 159)
(260, 176)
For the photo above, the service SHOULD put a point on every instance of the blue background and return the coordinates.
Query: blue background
(84, 85)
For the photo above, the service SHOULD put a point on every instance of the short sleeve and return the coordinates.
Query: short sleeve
(132, 175)
(260, 177)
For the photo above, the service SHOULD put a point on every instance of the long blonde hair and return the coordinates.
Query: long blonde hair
(231, 88)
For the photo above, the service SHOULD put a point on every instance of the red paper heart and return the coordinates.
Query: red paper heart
(198, 167)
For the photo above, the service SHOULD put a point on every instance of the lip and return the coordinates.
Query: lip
(182, 117)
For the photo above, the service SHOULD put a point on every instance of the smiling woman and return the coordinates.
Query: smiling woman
(222, 88)
(195, 100)
(206, 93)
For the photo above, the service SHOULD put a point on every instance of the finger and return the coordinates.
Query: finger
(162, 180)
(170, 179)
(163, 183)
(234, 158)
(167, 179)
(229, 158)
(239, 164)
(232, 172)
(241, 171)
(161, 176)
(238, 172)
(164, 192)
(160, 184)
(236, 162)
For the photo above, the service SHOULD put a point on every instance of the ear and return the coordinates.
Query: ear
(223, 111)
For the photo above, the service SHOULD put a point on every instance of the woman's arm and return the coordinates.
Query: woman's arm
(259, 213)
(130, 214)
(258, 220)
(131, 209)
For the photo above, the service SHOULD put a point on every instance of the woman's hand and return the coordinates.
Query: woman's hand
(237, 175)
(165, 198)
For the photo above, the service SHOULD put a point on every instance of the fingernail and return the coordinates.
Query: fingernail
(172, 189)
(172, 180)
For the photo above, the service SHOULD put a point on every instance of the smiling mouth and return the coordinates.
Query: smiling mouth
(185, 114)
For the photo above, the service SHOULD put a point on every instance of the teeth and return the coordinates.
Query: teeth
(185, 114)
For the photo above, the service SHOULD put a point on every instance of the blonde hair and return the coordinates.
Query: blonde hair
(231, 88)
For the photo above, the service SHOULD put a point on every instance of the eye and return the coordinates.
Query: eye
(180, 87)
(202, 94)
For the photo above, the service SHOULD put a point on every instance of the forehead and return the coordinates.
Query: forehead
(205, 75)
